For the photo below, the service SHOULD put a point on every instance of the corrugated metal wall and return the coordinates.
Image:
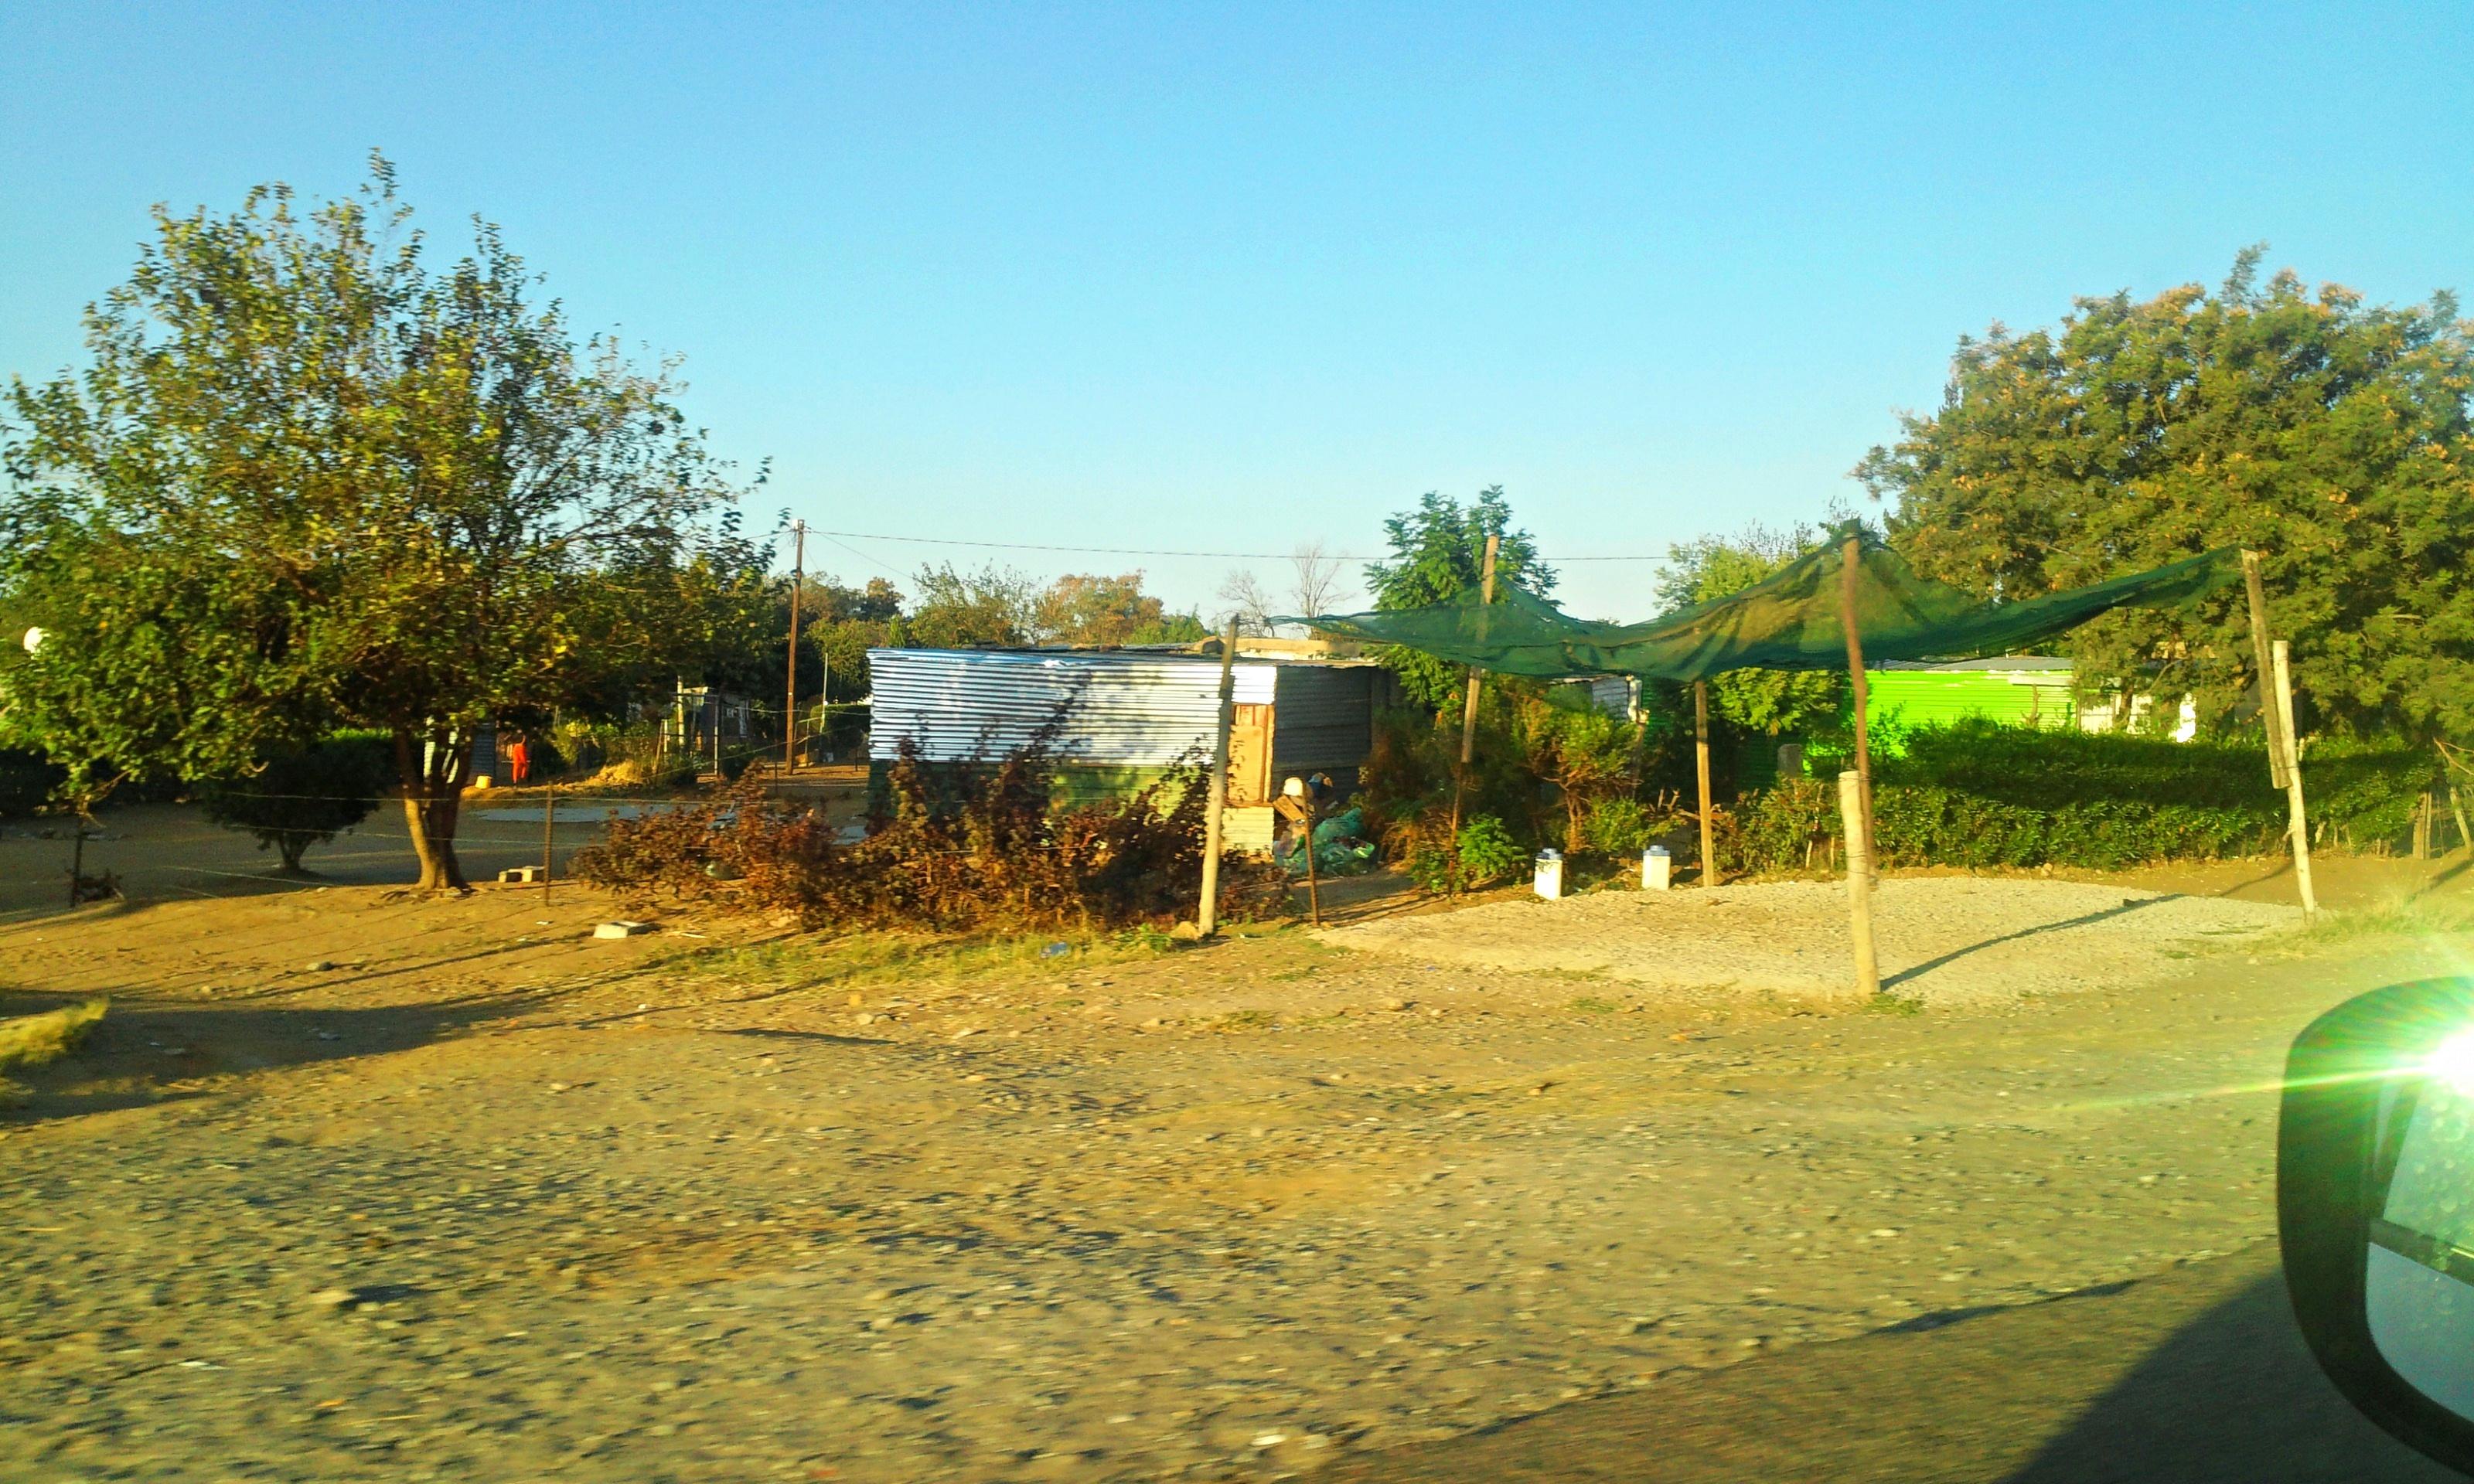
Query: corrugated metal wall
(1125, 710)
(1321, 717)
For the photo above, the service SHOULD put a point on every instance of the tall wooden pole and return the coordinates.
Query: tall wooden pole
(1469, 706)
(550, 825)
(1701, 763)
(2260, 665)
(790, 691)
(1849, 557)
(1859, 884)
(2299, 823)
(1206, 913)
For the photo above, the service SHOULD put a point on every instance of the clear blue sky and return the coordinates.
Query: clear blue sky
(1153, 275)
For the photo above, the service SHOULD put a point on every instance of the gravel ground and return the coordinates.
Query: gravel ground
(1943, 941)
(509, 1205)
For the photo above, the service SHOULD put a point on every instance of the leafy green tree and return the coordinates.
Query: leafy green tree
(2331, 436)
(1083, 608)
(308, 481)
(305, 796)
(1437, 553)
(992, 608)
(1772, 702)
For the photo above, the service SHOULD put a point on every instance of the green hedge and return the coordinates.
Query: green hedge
(1983, 793)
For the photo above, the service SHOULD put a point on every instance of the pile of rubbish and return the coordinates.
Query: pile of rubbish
(1340, 847)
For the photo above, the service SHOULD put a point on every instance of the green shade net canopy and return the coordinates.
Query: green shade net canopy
(1793, 620)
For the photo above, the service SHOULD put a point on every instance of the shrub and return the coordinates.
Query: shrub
(1483, 853)
(951, 848)
(307, 796)
(32, 1041)
(1980, 794)
(1619, 827)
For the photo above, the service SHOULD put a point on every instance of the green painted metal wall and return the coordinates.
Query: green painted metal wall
(1929, 698)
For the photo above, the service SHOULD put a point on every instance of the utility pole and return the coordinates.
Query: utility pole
(790, 691)
(1850, 558)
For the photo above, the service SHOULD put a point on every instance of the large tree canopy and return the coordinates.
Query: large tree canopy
(309, 481)
(2331, 436)
(1717, 566)
(1437, 553)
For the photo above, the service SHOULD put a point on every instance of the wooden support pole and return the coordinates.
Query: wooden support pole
(2280, 657)
(1859, 884)
(550, 822)
(790, 692)
(2257, 592)
(1314, 883)
(1700, 765)
(1469, 706)
(1206, 912)
(2456, 812)
(1850, 558)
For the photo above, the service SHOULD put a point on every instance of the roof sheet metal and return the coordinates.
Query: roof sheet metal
(1132, 710)
(1321, 717)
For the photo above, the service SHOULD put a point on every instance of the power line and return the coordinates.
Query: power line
(1142, 551)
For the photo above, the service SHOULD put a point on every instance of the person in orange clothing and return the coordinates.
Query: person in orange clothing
(519, 760)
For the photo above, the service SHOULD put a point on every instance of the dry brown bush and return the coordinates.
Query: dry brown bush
(955, 847)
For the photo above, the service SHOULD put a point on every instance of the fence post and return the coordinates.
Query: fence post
(2266, 668)
(1206, 913)
(1859, 884)
(2298, 823)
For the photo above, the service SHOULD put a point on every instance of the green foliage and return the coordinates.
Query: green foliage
(1482, 853)
(307, 480)
(999, 606)
(306, 794)
(1084, 610)
(28, 779)
(1439, 552)
(1586, 755)
(1619, 828)
(1769, 702)
(1978, 793)
(2334, 438)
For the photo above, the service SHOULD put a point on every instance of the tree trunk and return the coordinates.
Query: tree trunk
(290, 848)
(433, 789)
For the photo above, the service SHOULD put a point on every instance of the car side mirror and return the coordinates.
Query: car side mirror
(2375, 1207)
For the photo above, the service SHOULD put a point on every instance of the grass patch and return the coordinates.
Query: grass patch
(33, 1040)
(1893, 1005)
(2399, 917)
(1591, 1004)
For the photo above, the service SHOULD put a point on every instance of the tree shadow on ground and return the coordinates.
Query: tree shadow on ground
(2129, 905)
(144, 1053)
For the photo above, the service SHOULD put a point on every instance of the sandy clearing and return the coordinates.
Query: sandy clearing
(1943, 940)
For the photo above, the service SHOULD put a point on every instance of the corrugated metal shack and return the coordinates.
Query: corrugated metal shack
(1128, 716)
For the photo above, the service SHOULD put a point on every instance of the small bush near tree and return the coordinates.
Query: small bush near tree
(305, 796)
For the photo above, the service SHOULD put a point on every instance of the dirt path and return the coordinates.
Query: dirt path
(483, 1199)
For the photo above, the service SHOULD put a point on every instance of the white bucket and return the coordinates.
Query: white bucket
(1657, 869)
(1548, 882)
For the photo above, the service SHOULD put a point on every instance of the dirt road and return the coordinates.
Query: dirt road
(2197, 1376)
(352, 1186)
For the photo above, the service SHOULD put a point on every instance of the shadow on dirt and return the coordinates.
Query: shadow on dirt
(2221, 1392)
(144, 1053)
